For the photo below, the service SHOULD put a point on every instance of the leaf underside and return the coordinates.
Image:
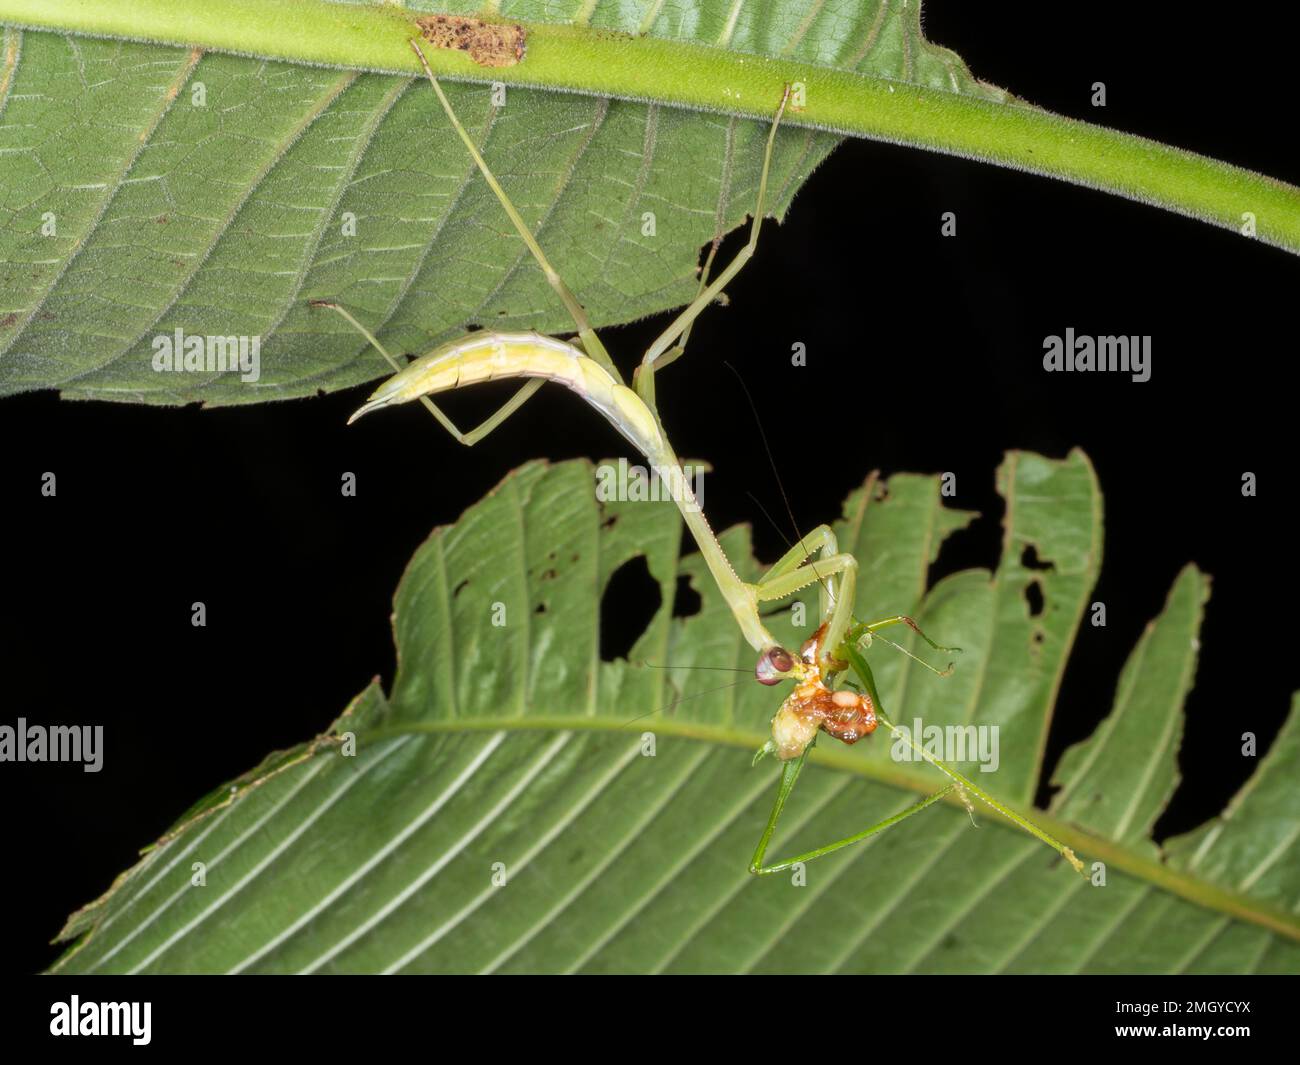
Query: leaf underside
(513, 752)
(288, 183)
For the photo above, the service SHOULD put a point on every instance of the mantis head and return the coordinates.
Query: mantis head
(775, 665)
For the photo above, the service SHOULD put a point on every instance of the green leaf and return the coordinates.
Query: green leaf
(225, 218)
(513, 752)
(148, 187)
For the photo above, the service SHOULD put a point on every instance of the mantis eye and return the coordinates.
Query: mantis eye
(773, 665)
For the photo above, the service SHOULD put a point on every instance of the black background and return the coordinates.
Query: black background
(924, 353)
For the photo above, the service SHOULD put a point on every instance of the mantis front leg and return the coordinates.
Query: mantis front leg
(836, 572)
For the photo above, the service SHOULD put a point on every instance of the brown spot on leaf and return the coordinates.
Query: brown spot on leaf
(8, 320)
(489, 44)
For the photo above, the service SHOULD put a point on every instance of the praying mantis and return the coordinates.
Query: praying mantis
(815, 705)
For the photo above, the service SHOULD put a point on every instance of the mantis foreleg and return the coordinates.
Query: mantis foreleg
(836, 572)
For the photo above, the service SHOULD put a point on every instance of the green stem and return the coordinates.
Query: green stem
(605, 63)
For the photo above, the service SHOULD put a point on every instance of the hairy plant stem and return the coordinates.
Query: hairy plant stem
(676, 73)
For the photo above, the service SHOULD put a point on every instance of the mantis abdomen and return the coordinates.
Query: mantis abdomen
(489, 356)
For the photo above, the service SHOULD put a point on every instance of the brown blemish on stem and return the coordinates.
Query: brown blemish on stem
(489, 44)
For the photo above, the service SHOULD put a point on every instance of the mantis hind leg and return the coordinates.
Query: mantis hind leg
(789, 775)
(658, 354)
(474, 435)
(591, 343)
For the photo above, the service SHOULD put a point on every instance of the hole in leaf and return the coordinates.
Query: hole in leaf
(1030, 560)
(1034, 597)
(977, 546)
(631, 600)
(686, 600)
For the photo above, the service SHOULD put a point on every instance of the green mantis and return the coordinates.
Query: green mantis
(814, 705)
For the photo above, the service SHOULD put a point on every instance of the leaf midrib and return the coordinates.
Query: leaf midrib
(1113, 854)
